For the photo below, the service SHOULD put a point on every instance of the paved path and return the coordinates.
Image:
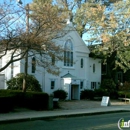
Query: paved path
(83, 104)
(68, 108)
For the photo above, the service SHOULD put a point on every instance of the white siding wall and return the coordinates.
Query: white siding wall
(94, 76)
(2, 81)
(7, 71)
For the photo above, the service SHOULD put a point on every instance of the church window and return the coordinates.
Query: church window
(68, 53)
(81, 63)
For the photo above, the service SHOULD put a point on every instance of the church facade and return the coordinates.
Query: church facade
(79, 73)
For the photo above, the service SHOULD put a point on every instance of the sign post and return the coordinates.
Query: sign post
(105, 101)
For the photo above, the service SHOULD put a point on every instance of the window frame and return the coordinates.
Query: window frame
(68, 53)
(81, 63)
(81, 84)
(93, 85)
(33, 64)
(52, 84)
(94, 68)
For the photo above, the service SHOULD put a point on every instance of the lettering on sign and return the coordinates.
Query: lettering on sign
(105, 101)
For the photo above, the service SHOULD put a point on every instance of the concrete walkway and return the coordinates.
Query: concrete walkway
(23, 115)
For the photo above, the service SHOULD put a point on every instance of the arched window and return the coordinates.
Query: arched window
(81, 63)
(33, 65)
(68, 53)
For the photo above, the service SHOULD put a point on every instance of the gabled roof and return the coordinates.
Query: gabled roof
(79, 43)
(68, 75)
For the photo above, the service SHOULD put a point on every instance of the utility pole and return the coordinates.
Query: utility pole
(26, 56)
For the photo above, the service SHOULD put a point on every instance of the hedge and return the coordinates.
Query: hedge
(90, 94)
(87, 94)
(36, 101)
(10, 99)
(6, 104)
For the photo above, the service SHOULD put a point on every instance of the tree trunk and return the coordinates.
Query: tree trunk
(25, 73)
(24, 83)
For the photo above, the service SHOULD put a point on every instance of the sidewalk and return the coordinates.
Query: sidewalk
(25, 115)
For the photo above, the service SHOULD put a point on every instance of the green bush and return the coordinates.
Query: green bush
(114, 95)
(109, 86)
(100, 92)
(6, 103)
(122, 94)
(61, 94)
(16, 83)
(37, 100)
(10, 99)
(87, 94)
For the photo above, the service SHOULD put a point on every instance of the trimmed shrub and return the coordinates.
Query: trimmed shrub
(10, 99)
(18, 97)
(37, 100)
(16, 83)
(61, 94)
(6, 103)
(87, 94)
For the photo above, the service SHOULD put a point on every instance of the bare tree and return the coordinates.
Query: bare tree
(46, 24)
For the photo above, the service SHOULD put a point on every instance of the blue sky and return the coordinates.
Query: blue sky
(26, 1)
(30, 1)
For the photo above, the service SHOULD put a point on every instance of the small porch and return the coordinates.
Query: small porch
(71, 85)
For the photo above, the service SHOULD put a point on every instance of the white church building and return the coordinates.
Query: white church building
(81, 72)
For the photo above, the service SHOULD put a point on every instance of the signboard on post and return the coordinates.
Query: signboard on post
(105, 101)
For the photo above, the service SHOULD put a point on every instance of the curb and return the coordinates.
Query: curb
(59, 116)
